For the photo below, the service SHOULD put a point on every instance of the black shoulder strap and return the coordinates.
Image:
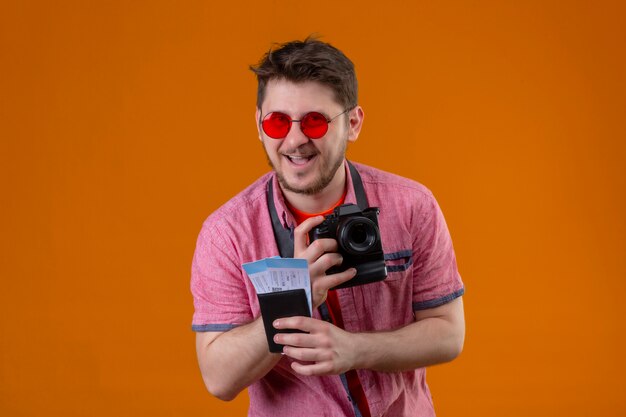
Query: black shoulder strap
(283, 236)
(359, 191)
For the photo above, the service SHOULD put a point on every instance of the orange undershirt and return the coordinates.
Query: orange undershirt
(334, 310)
(301, 216)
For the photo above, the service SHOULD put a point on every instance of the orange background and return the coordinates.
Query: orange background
(124, 124)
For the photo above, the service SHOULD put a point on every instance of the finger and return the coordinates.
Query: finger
(306, 324)
(331, 281)
(319, 368)
(324, 263)
(301, 233)
(319, 247)
(307, 354)
(298, 340)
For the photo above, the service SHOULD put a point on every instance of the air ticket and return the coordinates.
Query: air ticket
(280, 274)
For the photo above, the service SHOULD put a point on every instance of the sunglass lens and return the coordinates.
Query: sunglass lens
(314, 125)
(276, 125)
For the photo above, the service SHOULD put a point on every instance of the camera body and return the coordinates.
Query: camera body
(358, 238)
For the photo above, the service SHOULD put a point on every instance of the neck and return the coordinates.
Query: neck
(322, 201)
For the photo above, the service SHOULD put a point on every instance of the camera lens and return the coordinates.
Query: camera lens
(357, 235)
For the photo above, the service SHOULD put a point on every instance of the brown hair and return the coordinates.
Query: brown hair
(308, 60)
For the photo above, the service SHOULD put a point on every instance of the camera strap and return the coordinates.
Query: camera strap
(283, 236)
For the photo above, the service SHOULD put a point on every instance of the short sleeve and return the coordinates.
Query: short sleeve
(217, 284)
(436, 280)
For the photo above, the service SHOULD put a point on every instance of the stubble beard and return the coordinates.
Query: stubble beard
(327, 174)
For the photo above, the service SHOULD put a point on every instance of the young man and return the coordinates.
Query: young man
(364, 350)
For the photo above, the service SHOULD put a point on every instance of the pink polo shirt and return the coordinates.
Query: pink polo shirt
(422, 273)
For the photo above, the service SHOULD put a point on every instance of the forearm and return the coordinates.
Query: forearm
(424, 343)
(235, 359)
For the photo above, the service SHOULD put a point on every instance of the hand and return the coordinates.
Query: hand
(325, 350)
(320, 255)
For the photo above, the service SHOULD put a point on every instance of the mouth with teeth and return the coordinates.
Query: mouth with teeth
(300, 160)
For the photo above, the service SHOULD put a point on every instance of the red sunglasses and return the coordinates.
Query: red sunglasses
(314, 125)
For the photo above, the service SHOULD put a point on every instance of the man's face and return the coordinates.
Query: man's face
(303, 165)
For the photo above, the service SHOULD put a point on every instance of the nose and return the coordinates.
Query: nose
(295, 138)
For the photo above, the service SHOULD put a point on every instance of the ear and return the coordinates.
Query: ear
(257, 118)
(356, 116)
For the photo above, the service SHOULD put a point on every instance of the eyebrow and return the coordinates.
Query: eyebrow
(323, 113)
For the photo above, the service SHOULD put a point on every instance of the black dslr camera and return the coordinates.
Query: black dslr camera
(359, 243)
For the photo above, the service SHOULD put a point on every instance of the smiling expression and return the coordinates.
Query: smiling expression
(303, 165)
